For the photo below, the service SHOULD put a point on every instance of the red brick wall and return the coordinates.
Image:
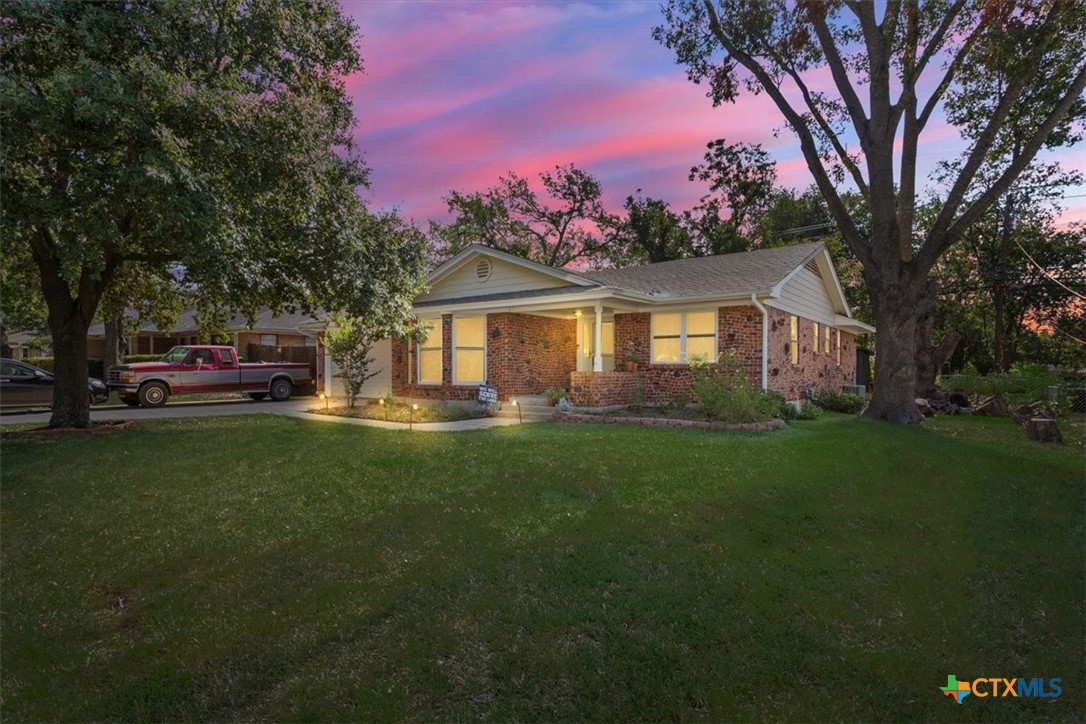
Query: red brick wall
(600, 389)
(815, 366)
(525, 354)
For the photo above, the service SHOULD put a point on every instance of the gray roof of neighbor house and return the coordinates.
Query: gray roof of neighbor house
(186, 324)
(740, 273)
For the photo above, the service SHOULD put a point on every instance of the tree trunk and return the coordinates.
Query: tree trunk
(930, 359)
(894, 397)
(71, 394)
(111, 355)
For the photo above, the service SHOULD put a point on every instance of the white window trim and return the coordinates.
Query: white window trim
(438, 324)
(682, 336)
(455, 379)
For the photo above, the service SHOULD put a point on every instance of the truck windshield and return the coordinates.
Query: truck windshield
(175, 355)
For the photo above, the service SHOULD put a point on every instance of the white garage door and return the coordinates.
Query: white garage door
(380, 384)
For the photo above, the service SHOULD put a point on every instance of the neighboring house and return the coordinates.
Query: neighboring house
(267, 330)
(28, 344)
(619, 336)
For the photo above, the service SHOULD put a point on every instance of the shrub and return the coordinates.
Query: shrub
(94, 365)
(142, 358)
(809, 412)
(727, 395)
(1024, 383)
(840, 402)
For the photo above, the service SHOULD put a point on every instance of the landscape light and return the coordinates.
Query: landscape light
(520, 415)
(411, 418)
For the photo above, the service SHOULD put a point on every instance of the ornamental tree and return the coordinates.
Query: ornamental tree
(891, 65)
(207, 138)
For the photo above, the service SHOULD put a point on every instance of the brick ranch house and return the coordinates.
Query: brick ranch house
(618, 336)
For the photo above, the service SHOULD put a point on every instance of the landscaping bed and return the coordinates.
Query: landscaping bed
(400, 412)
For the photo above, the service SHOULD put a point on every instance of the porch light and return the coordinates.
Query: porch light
(578, 313)
(520, 415)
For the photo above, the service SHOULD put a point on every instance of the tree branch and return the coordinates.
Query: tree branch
(807, 144)
(939, 240)
(991, 131)
(816, 14)
(827, 130)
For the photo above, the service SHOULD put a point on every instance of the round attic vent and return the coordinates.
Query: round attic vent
(482, 270)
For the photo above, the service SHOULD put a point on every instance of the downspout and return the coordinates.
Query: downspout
(765, 339)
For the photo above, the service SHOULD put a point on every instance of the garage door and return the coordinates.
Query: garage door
(380, 384)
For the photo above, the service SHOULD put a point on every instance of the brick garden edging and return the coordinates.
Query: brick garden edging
(768, 426)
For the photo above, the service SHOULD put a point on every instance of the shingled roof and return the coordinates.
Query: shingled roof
(740, 273)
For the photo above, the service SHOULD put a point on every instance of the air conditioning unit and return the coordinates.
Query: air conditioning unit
(855, 389)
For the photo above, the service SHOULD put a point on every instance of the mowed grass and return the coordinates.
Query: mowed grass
(262, 567)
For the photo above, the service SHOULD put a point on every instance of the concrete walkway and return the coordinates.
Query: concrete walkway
(479, 423)
(291, 408)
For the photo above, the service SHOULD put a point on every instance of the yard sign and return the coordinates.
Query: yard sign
(488, 394)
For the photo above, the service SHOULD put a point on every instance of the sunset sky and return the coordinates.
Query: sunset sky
(455, 94)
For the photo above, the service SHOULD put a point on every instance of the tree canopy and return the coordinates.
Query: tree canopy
(209, 138)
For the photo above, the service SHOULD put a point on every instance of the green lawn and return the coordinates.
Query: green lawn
(264, 567)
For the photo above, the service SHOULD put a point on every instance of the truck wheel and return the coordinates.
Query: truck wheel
(153, 394)
(130, 400)
(258, 395)
(281, 390)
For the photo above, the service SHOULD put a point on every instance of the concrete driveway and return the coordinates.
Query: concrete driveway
(177, 409)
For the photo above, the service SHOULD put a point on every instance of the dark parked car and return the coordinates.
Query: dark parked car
(23, 385)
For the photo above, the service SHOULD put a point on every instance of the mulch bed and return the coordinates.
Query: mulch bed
(769, 425)
(61, 431)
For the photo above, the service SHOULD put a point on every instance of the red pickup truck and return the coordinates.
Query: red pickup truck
(206, 368)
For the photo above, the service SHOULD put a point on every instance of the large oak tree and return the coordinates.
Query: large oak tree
(892, 65)
(209, 138)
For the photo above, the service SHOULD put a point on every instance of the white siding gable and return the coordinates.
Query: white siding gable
(805, 295)
(504, 277)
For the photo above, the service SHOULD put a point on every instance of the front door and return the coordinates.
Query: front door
(586, 344)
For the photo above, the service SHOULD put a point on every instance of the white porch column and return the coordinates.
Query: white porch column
(597, 359)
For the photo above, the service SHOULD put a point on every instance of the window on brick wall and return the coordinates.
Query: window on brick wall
(793, 340)
(826, 340)
(430, 352)
(814, 347)
(469, 350)
(679, 337)
(838, 346)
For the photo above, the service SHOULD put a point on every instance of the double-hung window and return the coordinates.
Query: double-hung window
(679, 337)
(826, 340)
(838, 346)
(469, 350)
(430, 352)
(814, 347)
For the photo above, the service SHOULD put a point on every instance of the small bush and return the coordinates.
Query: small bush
(840, 402)
(142, 358)
(727, 395)
(809, 412)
